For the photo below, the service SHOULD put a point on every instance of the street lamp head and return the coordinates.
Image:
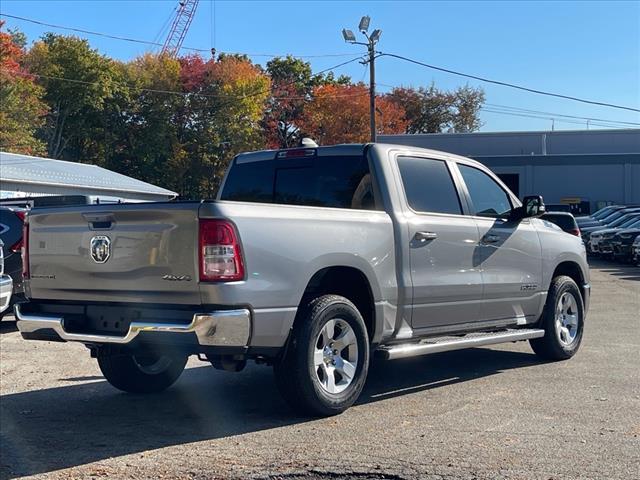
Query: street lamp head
(375, 36)
(364, 23)
(348, 35)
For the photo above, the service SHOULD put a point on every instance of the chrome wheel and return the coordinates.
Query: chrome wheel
(152, 364)
(567, 318)
(335, 356)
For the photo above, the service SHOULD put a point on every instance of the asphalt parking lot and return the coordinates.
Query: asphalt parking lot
(496, 413)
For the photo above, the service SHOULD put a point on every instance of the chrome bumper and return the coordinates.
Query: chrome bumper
(222, 328)
(6, 289)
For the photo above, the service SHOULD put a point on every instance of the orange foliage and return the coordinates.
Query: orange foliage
(10, 54)
(340, 114)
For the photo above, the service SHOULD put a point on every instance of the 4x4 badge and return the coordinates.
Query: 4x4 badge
(100, 248)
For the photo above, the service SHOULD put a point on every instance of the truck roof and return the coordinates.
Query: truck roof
(349, 149)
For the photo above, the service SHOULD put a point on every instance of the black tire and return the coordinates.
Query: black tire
(298, 378)
(148, 373)
(551, 346)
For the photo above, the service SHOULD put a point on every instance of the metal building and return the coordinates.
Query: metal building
(26, 176)
(595, 166)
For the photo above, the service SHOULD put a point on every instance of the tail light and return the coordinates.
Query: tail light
(17, 247)
(25, 249)
(575, 231)
(219, 250)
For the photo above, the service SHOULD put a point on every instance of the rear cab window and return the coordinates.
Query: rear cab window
(428, 185)
(338, 181)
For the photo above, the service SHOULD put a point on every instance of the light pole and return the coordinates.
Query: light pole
(370, 44)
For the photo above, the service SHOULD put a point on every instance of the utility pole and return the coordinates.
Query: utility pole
(372, 91)
(371, 42)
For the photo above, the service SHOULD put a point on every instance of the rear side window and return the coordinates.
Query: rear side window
(332, 181)
(428, 185)
(565, 222)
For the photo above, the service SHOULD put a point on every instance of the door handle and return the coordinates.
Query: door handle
(490, 239)
(425, 236)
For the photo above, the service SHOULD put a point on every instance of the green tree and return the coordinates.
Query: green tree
(22, 109)
(142, 138)
(77, 81)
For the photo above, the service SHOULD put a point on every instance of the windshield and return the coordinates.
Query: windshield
(623, 220)
(602, 213)
(634, 223)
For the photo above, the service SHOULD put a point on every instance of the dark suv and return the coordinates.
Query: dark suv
(11, 230)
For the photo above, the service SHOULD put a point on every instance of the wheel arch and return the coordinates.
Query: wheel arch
(572, 270)
(349, 282)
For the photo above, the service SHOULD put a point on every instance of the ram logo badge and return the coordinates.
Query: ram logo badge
(100, 248)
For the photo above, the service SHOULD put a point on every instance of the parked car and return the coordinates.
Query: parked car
(565, 221)
(11, 231)
(609, 219)
(558, 207)
(635, 251)
(594, 236)
(603, 212)
(622, 241)
(311, 260)
(6, 284)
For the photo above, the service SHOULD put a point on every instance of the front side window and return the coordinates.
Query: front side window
(428, 185)
(488, 198)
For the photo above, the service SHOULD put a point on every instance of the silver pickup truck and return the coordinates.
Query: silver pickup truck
(311, 260)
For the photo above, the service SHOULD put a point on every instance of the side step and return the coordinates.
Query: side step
(444, 344)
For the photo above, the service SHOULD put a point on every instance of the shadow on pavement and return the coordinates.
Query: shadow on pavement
(621, 270)
(8, 326)
(51, 429)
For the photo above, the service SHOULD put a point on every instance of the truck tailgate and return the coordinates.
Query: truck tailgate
(120, 253)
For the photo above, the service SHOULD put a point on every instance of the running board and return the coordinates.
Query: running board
(445, 344)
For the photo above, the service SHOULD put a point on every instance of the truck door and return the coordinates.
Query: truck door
(509, 252)
(447, 286)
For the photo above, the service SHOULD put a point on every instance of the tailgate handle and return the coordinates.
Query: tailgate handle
(102, 221)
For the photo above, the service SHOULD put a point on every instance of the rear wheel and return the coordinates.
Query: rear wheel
(562, 321)
(141, 373)
(326, 363)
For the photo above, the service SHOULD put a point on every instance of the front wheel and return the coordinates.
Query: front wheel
(326, 363)
(141, 373)
(562, 321)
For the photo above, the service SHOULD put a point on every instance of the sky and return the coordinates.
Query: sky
(587, 49)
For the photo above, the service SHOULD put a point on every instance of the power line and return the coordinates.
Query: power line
(518, 109)
(510, 85)
(552, 115)
(156, 44)
(187, 94)
(540, 117)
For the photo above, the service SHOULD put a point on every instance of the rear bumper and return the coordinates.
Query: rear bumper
(221, 328)
(6, 289)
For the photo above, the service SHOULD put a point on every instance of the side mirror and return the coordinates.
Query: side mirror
(532, 206)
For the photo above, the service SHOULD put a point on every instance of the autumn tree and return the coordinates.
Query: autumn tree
(340, 114)
(431, 110)
(292, 84)
(224, 104)
(22, 110)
